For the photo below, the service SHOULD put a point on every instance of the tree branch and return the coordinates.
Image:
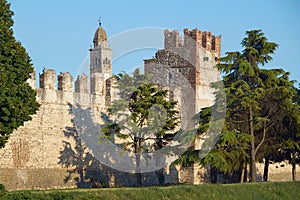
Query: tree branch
(264, 136)
(149, 138)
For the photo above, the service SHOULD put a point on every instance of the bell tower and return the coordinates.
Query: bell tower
(100, 62)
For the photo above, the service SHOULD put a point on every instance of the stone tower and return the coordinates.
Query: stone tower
(191, 57)
(100, 62)
(186, 66)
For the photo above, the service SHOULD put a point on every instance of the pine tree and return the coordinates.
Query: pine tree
(262, 113)
(276, 106)
(17, 98)
(290, 139)
(246, 88)
(143, 117)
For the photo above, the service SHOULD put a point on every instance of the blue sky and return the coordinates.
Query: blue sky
(57, 34)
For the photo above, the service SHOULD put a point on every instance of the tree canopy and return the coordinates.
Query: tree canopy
(143, 117)
(262, 113)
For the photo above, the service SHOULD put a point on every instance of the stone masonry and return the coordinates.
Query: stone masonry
(187, 64)
(47, 151)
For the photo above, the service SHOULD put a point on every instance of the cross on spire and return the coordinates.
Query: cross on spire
(99, 21)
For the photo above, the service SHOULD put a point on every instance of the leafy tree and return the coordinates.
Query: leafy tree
(276, 105)
(230, 153)
(246, 88)
(290, 139)
(259, 102)
(17, 98)
(143, 117)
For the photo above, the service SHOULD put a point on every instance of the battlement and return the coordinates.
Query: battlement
(199, 38)
(81, 84)
(172, 39)
(48, 79)
(65, 81)
(59, 89)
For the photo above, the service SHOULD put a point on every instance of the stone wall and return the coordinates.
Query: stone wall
(193, 174)
(278, 171)
(47, 152)
(188, 64)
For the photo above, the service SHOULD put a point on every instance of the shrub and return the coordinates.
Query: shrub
(2, 187)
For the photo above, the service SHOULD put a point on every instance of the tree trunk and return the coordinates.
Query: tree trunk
(214, 175)
(137, 151)
(293, 171)
(252, 159)
(160, 176)
(160, 172)
(266, 169)
(245, 173)
(139, 179)
(242, 175)
(138, 170)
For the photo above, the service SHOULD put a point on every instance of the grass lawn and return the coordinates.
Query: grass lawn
(270, 190)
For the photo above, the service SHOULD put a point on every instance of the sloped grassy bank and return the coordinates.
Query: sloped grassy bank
(269, 190)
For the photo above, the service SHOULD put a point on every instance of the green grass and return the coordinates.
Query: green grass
(271, 190)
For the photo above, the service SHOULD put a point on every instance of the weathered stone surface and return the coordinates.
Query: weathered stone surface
(48, 79)
(65, 82)
(47, 151)
(81, 84)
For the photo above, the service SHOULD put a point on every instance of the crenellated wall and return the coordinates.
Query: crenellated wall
(47, 152)
(59, 89)
(202, 39)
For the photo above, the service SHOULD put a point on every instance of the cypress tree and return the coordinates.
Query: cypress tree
(17, 98)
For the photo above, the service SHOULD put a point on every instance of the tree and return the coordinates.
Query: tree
(260, 103)
(143, 117)
(17, 98)
(230, 154)
(277, 106)
(243, 80)
(290, 140)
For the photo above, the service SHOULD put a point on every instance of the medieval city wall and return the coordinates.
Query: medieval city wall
(32, 158)
(47, 152)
